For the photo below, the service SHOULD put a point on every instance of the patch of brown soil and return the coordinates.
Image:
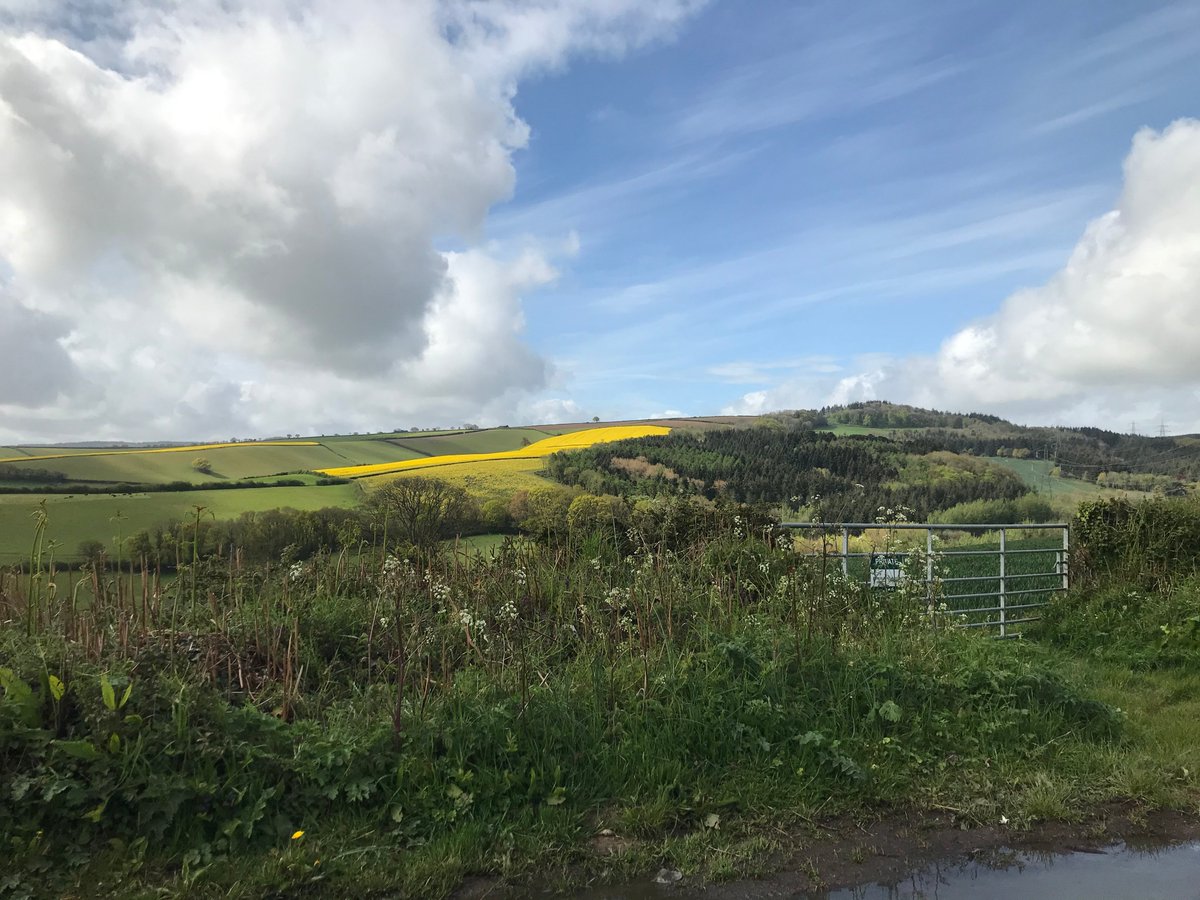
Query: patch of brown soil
(646, 469)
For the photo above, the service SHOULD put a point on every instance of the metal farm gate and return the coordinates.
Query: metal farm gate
(998, 583)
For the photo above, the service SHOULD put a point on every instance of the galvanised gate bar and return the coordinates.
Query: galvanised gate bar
(1018, 572)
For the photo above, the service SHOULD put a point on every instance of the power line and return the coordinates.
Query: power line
(1176, 452)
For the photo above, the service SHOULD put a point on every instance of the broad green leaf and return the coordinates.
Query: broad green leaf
(114, 742)
(890, 710)
(110, 696)
(78, 749)
(125, 696)
(57, 688)
(21, 695)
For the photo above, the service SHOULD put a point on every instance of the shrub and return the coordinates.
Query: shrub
(1148, 543)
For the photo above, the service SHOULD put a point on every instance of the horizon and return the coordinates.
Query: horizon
(467, 427)
(593, 209)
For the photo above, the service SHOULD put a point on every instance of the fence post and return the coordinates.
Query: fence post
(1003, 627)
(846, 553)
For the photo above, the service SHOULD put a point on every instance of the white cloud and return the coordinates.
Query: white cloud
(759, 371)
(1113, 335)
(251, 201)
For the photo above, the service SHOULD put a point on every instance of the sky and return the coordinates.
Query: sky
(223, 219)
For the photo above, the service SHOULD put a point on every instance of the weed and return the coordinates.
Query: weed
(421, 717)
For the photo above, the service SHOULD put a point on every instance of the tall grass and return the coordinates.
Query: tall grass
(1138, 570)
(648, 680)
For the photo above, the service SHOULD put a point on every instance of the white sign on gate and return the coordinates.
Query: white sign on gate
(887, 570)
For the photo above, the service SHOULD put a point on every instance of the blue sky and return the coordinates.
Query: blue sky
(241, 219)
(776, 194)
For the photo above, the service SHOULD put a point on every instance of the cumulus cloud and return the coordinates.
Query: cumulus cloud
(1126, 307)
(229, 203)
(1113, 335)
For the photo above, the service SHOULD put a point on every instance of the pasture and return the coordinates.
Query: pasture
(48, 453)
(73, 519)
(1065, 493)
(494, 440)
(230, 463)
(487, 463)
(262, 459)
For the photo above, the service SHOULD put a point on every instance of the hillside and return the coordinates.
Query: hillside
(107, 493)
(1087, 454)
(855, 459)
(839, 478)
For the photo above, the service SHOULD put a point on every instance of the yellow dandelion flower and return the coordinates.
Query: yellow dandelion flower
(297, 835)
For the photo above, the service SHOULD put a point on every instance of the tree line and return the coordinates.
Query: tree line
(411, 514)
(159, 487)
(852, 475)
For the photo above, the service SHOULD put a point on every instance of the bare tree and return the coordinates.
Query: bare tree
(421, 511)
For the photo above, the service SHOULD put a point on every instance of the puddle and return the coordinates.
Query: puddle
(1171, 873)
(1118, 871)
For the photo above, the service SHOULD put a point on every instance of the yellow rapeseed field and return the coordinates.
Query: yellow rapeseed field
(489, 479)
(574, 440)
(189, 449)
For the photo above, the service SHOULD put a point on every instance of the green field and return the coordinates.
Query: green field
(227, 463)
(73, 519)
(365, 451)
(495, 440)
(477, 544)
(258, 460)
(1064, 492)
(78, 517)
(243, 461)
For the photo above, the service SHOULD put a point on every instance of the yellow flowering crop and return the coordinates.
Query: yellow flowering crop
(575, 440)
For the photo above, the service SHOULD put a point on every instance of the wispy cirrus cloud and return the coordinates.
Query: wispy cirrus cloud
(760, 371)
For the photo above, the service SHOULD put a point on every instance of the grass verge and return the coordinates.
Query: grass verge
(590, 708)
